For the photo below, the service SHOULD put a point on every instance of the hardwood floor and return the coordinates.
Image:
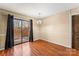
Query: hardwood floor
(39, 48)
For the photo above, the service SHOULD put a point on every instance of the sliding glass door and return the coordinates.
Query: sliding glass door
(21, 31)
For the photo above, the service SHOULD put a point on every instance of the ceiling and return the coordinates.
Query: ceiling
(33, 9)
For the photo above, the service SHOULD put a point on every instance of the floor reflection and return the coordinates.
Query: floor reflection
(18, 50)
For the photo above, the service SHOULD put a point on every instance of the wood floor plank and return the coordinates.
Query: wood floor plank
(39, 48)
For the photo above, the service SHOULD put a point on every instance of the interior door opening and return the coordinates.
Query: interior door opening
(21, 31)
(75, 32)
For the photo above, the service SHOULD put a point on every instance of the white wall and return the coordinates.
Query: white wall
(3, 24)
(55, 29)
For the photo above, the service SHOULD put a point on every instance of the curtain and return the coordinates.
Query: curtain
(9, 43)
(31, 31)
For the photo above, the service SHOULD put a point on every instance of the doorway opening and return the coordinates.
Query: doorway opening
(21, 31)
(75, 32)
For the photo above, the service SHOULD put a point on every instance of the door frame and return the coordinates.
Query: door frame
(70, 26)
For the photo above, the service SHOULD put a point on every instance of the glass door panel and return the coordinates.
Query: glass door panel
(25, 31)
(17, 32)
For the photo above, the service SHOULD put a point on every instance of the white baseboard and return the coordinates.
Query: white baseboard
(2, 48)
